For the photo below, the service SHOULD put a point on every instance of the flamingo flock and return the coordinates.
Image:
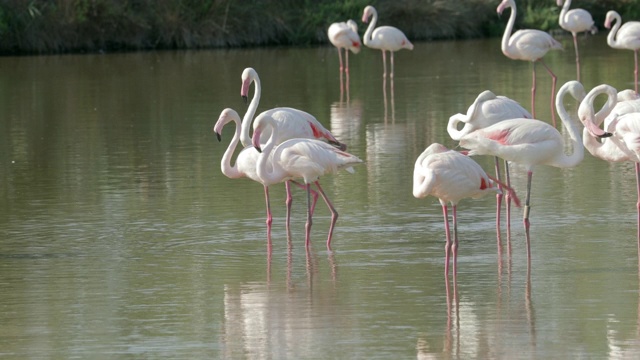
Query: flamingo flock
(291, 146)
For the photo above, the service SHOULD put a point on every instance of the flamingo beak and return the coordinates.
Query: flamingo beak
(218, 136)
(255, 140)
(244, 97)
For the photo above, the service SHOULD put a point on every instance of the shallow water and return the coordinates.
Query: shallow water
(121, 238)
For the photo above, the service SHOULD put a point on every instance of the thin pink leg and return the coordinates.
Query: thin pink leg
(554, 80)
(313, 193)
(638, 205)
(334, 214)
(499, 196)
(384, 65)
(635, 70)
(454, 245)
(346, 55)
(533, 92)
(288, 201)
(527, 208)
(269, 217)
(307, 239)
(575, 45)
(507, 199)
(447, 244)
(391, 73)
(340, 57)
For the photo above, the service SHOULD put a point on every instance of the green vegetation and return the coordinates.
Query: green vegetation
(49, 26)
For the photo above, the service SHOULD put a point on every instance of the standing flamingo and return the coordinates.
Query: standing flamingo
(300, 158)
(624, 145)
(575, 21)
(291, 123)
(345, 36)
(531, 142)
(385, 38)
(487, 110)
(528, 45)
(625, 36)
(246, 161)
(451, 177)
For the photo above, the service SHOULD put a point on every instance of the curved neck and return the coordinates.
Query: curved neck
(563, 12)
(577, 154)
(368, 38)
(510, 23)
(229, 170)
(251, 111)
(612, 100)
(611, 38)
(274, 173)
(452, 126)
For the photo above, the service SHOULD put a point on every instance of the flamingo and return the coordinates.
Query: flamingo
(384, 38)
(533, 142)
(246, 161)
(575, 21)
(345, 36)
(300, 158)
(487, 110)
(624, 145)
(291, 123)
(625, 36)
(451, 177)
(529, 45)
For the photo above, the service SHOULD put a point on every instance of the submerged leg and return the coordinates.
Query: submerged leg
(454, 245)
(307, 239)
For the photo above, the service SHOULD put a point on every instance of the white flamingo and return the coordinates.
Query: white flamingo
(625, 37)
(384, 38)
(528, 45)
(345, 36)
(300, 158)
(575, 21)
(531, 142)
(451, 177)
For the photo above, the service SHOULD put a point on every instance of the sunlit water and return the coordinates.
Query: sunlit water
(120, 237)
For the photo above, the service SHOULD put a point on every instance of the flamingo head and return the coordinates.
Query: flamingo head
(611, 15)
(503, 5)
(560, 2)
(227, 115)
(368, 12)
(248, 75)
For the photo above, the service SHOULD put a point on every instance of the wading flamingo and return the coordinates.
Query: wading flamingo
(529, 45)
(300, 158)
(384, 38)
(291, 123)
(451, 177)
(345, 36)
(624, 145)
(246, 161)
(575, 21)
(487, 110)
(531, 142)
(625, 37)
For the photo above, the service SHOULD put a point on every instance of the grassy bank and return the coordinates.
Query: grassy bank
(54, 26)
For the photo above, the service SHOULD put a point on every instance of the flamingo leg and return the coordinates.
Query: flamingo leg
(384, 64)
(533, 92)
(314, 194)
(499, 196)
(554, 80)
(340, 57)
(307, 239)
(447, 244)
(269, 217)
(454, 245)
(635, 70)
(527, 208)
(507, 198)
(575, 45)
(638, 204)
(391, 73)
(288, 201)
(334, 214)
(346, 55)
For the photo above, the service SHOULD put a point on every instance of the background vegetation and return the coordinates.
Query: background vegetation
(50, 26)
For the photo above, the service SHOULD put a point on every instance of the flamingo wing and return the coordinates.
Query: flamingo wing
(530, 45)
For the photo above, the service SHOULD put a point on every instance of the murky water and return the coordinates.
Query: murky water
(120, 238)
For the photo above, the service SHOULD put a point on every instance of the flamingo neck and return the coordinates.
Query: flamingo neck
(612, 100)
(509, 29)
(274, 173)
(368, 35)
(577, 154)
(231, 171)
(611, 38)
(563, 12)
(251, 111)
(452, 126)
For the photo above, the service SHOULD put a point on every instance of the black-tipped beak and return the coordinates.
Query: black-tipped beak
(244, 98)
(605, 135)
(219, 137)
(339, 145)
(259, 149)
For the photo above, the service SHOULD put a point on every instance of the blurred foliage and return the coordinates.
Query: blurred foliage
(45, 26)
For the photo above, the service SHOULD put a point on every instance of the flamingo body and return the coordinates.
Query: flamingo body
(344, 35)
(575, 20)
(300, 158)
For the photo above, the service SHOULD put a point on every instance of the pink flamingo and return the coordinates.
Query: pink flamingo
(451, 177)
(345, 36)
(625, 37)
(624, 145)
(299, 158)
(485, 111)
(531, 142)
(291, 123)
(385, 38)
(528, 45)
(575, 21)
(246, 162)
